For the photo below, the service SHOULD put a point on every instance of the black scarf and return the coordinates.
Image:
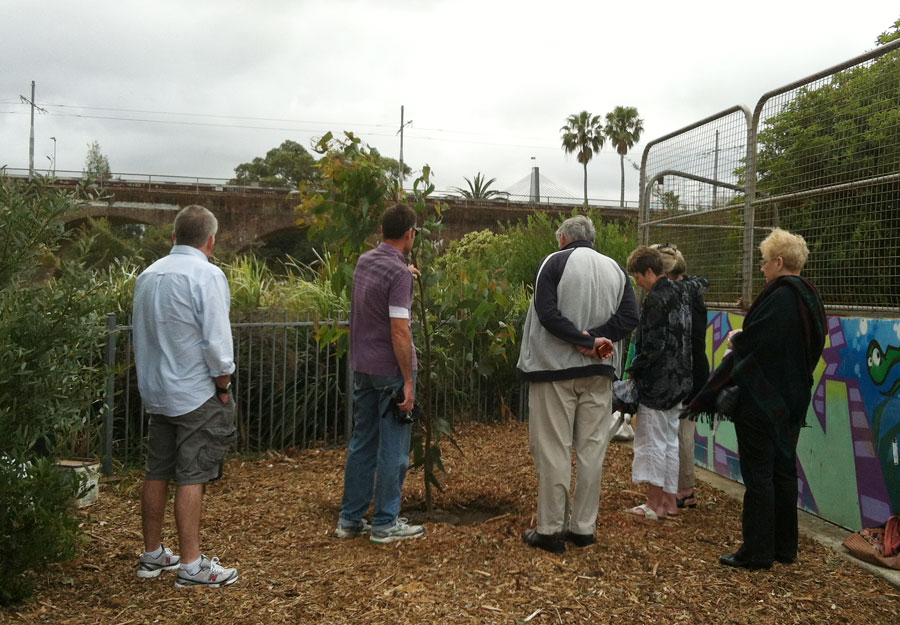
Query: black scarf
(812, 322)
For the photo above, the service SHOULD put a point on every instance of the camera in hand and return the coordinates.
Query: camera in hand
(400, 415)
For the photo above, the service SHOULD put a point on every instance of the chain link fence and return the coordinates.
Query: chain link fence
(819, 157)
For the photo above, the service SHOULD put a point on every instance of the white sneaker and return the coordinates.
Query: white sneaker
(352, 532)
(210, 574)
(148, 566)
(400, 531)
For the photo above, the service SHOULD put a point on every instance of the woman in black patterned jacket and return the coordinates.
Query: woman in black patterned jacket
(661, 371)
(676, 269)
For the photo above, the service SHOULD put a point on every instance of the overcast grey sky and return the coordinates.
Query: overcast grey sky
(196, 87)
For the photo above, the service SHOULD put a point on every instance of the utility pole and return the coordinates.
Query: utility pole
(400, 132)
(31, 138)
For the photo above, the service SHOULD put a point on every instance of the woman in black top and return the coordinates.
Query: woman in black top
(772, 362)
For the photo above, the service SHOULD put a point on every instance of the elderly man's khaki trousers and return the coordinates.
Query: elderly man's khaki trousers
(564, 415)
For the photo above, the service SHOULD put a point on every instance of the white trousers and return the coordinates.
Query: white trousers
(564, 415)
(656, 447)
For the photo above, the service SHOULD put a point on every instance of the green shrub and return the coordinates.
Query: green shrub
(481, 294)
(100, 244)
(51, 339)
(36, 527)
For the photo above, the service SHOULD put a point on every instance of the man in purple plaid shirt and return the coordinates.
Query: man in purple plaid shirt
(383, 360)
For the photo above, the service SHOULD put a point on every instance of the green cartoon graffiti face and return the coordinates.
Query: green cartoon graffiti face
(880, 364)
(878, 367)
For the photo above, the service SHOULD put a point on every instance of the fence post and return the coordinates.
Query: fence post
(109, 398)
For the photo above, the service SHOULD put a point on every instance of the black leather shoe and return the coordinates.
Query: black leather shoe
(733, 559)
(580, 540)
(548, 542)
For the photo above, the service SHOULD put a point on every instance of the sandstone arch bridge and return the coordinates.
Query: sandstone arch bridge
(248, 215)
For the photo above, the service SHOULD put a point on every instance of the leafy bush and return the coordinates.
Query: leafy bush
(51, 330)
(51, 338)
(101, 244)
(35, 525)
(482, 291)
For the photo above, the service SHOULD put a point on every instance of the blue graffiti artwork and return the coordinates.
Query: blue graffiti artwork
(870, 357)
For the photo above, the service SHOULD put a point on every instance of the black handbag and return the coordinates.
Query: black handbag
(727, 400)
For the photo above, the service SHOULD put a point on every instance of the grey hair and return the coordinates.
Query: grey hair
(578, 228)
(194, 225)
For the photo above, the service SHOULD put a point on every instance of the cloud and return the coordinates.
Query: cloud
(488, 84)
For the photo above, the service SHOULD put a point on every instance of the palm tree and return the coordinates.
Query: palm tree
(478, 188)
(583, 133)
(623, 129)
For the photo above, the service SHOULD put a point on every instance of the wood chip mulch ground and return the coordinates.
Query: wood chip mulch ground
(272, 518)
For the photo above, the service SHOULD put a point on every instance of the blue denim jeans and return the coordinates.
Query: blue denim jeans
(378, 454)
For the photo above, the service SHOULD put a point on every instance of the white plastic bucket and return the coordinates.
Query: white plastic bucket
(91, 469)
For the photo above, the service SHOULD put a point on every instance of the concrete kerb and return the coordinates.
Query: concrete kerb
(818, 529)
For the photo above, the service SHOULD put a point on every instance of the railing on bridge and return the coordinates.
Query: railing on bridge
(152, 181)
(226, 185)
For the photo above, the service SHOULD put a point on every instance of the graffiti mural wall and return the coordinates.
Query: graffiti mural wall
(848, 458)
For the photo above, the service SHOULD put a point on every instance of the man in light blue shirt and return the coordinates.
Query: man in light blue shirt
(184, 357)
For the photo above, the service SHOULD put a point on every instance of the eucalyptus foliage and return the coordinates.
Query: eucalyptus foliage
(343, 209)
(51, 336)
(36, 526)
(51, 329)
(96, 164)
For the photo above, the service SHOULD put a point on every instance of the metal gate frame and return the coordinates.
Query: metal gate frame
(751, 201)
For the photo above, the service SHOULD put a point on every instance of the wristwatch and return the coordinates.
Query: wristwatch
(223, 390)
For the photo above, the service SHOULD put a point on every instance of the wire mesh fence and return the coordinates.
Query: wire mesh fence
(819, 157)
(693, 197)
(828, 167)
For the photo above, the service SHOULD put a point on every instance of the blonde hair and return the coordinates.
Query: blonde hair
(790, 247)
(672, 260)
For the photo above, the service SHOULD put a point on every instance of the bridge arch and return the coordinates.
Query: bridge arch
(249, 214)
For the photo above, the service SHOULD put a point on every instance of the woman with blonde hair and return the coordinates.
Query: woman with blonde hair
(771, 363)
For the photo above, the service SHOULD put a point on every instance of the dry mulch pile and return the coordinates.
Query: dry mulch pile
(272, 518)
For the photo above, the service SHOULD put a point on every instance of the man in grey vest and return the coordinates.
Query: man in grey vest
(583, 303)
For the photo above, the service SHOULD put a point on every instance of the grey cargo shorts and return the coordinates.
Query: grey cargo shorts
(190, 448)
